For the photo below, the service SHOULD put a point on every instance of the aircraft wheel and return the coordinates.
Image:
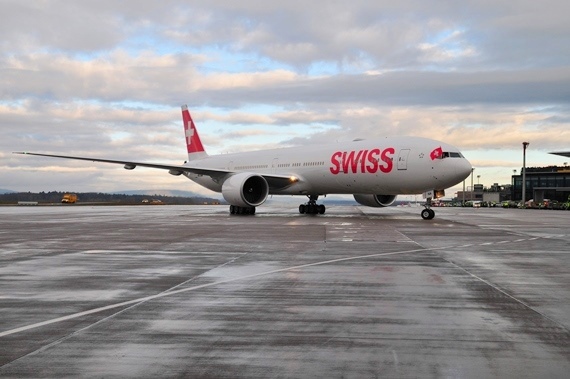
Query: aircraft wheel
(428, 214)
(237, 210)
(312, 209)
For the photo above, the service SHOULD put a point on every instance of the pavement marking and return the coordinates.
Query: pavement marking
(174, 292)
(170, 293)
(499, 289)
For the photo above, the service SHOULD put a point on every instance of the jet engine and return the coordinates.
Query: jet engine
(245, 189)
(375, 200)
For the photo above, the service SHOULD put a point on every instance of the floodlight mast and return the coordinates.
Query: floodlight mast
(525, 145)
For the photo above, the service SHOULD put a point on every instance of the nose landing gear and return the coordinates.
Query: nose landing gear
(428, 213)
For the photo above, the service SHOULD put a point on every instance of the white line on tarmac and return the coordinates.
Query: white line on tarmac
(170, 293)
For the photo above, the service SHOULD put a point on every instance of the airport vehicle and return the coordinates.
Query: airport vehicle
(374, 171)
(69, 198)
(566, 205)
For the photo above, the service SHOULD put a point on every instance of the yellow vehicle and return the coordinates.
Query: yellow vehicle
(69, 198)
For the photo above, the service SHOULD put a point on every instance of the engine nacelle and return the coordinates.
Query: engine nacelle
(245, 189)
(375, 200)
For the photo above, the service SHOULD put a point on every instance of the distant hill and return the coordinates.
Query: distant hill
(2, 191)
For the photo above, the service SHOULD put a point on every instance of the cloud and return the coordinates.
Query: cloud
(106, 79)
(58, 25)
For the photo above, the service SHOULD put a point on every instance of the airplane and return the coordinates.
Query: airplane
(374, 171)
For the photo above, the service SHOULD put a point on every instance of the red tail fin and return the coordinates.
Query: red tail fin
(193, 142)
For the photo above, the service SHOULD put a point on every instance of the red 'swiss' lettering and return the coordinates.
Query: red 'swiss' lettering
(350, 161)
(373, 158)
(335, 168)
(362, 161)
(386, 157)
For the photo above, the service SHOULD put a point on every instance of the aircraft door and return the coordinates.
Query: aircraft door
(274, 165)
(403, 159)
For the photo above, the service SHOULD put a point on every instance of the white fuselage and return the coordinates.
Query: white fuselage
(391, 165)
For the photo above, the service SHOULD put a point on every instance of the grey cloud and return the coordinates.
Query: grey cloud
(59, 25)
(409, 88)
(497, 71)
(504, 34)
(385, 34)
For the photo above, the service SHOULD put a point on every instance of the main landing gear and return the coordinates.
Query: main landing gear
(312, 207)
(428, 213)
(237, 210)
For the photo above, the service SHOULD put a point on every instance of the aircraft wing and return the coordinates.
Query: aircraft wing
(274, 181)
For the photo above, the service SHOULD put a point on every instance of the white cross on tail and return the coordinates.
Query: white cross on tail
(189, 133)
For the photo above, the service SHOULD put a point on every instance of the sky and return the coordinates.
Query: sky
(107, 79)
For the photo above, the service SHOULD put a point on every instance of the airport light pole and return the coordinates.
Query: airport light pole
(472, 169)
(525, 144)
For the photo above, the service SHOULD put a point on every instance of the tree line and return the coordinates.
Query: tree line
(98, 197)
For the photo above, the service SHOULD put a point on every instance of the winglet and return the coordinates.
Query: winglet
(193, 142)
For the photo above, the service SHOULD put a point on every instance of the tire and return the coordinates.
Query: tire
(427, 214)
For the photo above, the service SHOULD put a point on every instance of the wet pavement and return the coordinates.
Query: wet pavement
(190, 291)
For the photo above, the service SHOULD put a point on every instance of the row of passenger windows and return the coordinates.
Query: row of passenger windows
(281, 165)
(304, 164)
(445, 154)
(252, 167)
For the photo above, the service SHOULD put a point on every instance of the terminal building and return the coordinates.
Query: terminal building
(494, 194)
(552, 182)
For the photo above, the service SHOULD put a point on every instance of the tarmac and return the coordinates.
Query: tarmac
(191, 291)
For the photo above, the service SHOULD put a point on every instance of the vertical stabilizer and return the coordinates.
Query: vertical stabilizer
(193, 142)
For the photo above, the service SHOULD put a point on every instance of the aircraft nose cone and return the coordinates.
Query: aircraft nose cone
(464, 170)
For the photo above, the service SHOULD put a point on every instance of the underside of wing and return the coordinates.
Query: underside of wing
(274, 181)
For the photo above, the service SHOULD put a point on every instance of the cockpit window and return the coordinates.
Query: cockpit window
(448, 154)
